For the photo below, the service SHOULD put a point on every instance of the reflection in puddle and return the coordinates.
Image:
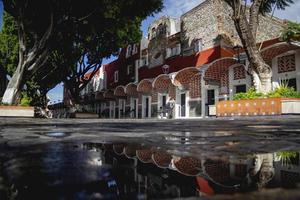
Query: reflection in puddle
(56, 134)
(136, 171)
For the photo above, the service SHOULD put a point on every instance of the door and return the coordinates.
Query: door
(121, 108)
(147, 107)
(135, 108)
(210, 100)
(163, 105)
(210, 97)
(112, 109)
(182, 105)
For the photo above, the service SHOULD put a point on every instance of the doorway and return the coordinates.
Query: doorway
(133, 108)
(112, 106)
(211, 100)
(146, 107)
(121, 108)
(182, 109)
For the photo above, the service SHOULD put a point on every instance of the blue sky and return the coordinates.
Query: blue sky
(175, 8)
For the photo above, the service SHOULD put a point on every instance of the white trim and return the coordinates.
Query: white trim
(136, 107)
(122, 106)
(116, 76)
(112, 105)
(178, 103)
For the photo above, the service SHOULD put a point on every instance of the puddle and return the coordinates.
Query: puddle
(55, 134)
(137, 171)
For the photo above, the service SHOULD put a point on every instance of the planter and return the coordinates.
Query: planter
(258, 107)
(86, 115)
(16, 111)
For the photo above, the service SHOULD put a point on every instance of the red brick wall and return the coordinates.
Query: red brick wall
(154, 96)
(239, 73)
(172, 92)
(195, 85)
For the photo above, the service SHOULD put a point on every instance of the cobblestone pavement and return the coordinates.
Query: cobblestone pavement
(36, 153)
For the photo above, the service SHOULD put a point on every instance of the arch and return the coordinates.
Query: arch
(270, 52)
(131, 90)
(161, 159)
(145, 86)
(144, 155)
(120, 92)
(188, 166)
(215, 69)
(183, 77)
(109, 94)
(162, 83)
(217, 170)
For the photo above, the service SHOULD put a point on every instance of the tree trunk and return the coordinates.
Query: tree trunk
(262, 82)
(261, 71)
(14, 86)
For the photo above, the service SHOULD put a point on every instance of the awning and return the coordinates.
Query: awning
(145, 86)
(162, 83)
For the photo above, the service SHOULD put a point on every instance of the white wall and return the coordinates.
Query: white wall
(287, 75)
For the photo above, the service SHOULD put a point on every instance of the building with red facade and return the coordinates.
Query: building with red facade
(186, 65)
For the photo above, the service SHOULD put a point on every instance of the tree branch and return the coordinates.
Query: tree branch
(254, 17)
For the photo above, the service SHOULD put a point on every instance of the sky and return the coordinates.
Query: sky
(175, 8)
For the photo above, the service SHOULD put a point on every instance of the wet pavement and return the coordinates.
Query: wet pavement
(248, 158)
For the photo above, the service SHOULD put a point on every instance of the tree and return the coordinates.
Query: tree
(246, 20)
(44, 24)
(291, 33)
(9, 45)
(43, 80)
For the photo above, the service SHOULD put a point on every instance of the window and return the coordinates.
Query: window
(198, 44)
(161, 30)
(240, 89)
(130, 69)
(128, 51)
(153, 32)
(116, 76)
(292, 83)
(286, 63)
(173, 51)
(143, 62)
(135, 49)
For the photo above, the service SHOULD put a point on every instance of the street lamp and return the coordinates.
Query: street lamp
(237, 52)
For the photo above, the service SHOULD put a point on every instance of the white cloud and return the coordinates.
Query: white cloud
(175, 8)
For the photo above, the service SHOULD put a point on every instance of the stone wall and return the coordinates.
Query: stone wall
(200, 22)
(212, 18)
(269, 28)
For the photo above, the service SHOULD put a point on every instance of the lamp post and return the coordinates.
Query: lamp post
(165, 69)
(237, 52)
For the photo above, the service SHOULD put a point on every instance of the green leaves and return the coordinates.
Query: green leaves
(9, 44)
(282, 91)
(291, 32)
(268, 5)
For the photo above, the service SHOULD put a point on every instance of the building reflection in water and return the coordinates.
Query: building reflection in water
(137, 171)
(142, 172)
